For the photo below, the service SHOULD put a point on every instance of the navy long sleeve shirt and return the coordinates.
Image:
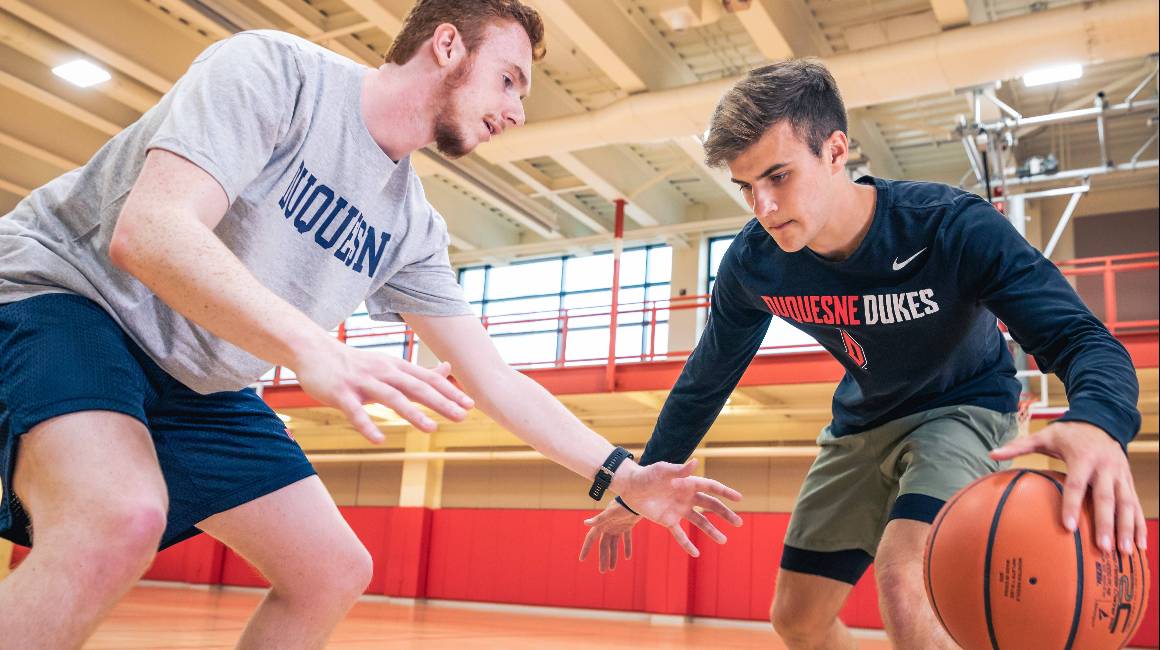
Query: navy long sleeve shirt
(911, 315)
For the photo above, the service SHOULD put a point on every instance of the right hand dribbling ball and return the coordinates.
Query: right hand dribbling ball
(1002, 573)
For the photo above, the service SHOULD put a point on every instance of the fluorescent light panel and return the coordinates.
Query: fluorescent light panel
(1052, 75)
(81, 73)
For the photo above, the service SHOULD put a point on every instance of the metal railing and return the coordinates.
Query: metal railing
(652, 314)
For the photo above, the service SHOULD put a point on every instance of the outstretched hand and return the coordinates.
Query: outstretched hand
(666, 494)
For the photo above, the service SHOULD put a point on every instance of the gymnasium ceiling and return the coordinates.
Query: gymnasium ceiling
(551, 188)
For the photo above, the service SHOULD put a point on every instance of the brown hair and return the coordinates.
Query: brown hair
(801, 92)
(471, 19)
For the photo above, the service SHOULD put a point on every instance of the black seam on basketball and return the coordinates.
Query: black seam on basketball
(1144, 586)
(1075, 617)
(987, 558)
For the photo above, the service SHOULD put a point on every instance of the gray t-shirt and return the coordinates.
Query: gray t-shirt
(318, 212)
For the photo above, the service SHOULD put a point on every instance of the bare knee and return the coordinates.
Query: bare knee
(103, 552)
(805, 610)
(899, 585)
(339, 578)
(799, 624)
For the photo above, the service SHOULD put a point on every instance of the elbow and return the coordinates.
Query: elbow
(123, 248)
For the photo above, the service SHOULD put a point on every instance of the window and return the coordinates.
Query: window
(514, 298)
(781, 333)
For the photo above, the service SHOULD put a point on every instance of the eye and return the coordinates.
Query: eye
(508, 82)
(778, 178)
(747, 193)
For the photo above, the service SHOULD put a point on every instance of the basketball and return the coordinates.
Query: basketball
(1002, 572)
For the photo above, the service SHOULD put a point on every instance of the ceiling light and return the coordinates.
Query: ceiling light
(1053, 75)
(81, 73)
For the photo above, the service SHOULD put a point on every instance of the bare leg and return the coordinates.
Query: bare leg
(910, 622)
(91, 483)
(316, 566)
(805, 612)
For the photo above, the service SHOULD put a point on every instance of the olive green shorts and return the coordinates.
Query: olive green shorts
(905, 469)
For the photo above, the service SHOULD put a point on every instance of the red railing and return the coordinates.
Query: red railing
(567, 322)
(1109, 267)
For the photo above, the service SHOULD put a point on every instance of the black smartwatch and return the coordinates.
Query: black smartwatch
(604, 474)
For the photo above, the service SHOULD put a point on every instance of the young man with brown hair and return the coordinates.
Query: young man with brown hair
(901, 282)
(264, 198)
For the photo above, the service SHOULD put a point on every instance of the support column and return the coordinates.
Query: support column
(617, 249)
(422, 481)
(688, 279)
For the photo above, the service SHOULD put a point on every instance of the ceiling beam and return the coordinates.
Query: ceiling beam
(183, 11)
(461, 243)
(33, 151)
(592, 42)
(555, 199)
(693, 148)
(58, 104)
(604, 188)
(305, 19)
(13, 188)
(235, 12)
(951, 13)
(882, 160)
(593, 242)
(47, 50)
(88, 45)
(379, 16)
(797, 25)
(534, 217)
(764, 31)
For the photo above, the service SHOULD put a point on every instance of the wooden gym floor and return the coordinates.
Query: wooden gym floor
(173, 617)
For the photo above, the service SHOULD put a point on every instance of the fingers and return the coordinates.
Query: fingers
(701, 521)
(683, 540)
(603, 553)
(1074, 491)
(352, 408)
(708, 486)
(426, 394)
(592, 536)
(1018, 447)
(390, 397)
(1104, 505)
(437, 378)
(688, 468)
(628, 543)
(1128, 512)
(714, 505)
(614, 548)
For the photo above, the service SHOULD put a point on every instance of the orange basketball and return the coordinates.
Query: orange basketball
(1003, 573)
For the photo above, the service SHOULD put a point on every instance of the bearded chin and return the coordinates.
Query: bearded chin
(448, 139)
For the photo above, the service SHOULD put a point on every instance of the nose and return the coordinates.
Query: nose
(764, 204)
(514, 115)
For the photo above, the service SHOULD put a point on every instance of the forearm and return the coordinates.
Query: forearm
(528, 410)
(1102, 387)
(181, 260)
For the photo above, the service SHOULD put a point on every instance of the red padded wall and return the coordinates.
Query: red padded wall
(529, 557)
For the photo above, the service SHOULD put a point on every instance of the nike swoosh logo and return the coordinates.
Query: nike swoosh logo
(898, 266)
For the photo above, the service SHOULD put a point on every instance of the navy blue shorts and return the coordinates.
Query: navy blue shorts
(61, 353)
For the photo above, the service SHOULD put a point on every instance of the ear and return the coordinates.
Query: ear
(837, 151)
(447, 45)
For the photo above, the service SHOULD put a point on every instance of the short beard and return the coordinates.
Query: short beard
(449, 138)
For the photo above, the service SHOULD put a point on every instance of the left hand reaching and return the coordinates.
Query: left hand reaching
(1094, 459)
